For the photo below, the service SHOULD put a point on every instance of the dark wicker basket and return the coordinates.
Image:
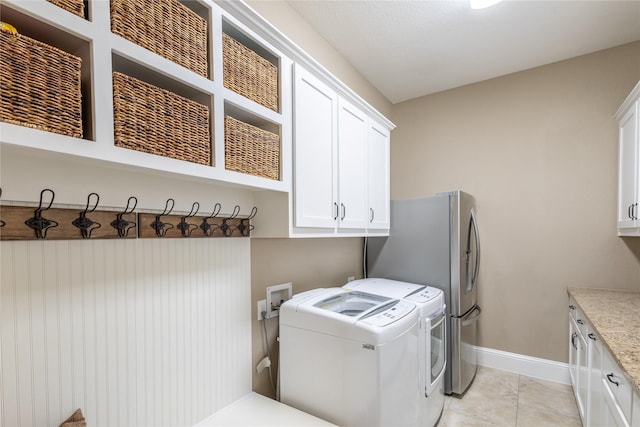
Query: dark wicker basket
(153, 120)
(74, 6)
(39, 86)
(249, 74)
(251, 150)
(165, 27)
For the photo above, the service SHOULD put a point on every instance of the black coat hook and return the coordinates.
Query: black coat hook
(207, 228)
(245, 226)
(122, 225)
(85, 224)
(184, 226)
(226, 229)
(40, 224)
(160, 227)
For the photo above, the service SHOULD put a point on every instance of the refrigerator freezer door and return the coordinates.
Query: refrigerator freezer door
(464, 359)
(418, 247)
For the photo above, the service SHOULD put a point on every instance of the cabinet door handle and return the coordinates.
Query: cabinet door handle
(572, 307)
(629, 211)
(610, 378)
(573, 340)
(335, 205)
(372, 214)
(579, 322)
(634, 215)
(344, 211)
(592, 336)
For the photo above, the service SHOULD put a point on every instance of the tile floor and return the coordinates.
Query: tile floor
(499, 398)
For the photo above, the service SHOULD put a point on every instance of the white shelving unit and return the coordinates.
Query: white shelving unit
(103, 52)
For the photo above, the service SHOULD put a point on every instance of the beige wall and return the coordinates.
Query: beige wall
(538, 150)
(308, 263)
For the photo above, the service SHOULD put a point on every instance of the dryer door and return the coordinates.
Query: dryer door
(435, 352)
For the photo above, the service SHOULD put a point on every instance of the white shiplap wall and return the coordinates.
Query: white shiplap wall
(142, 332)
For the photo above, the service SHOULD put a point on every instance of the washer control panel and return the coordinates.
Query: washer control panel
(391, 314)
(425, 295)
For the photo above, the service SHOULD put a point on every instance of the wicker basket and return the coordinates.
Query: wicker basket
(153, 120)
(249, 74)
(74, 6)
(39, 86)
(165, 27)
(251, 150)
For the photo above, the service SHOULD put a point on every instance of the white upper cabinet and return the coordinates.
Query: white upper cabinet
(352, 166)
(628, 117)
(341, 166)
(379, 181)
(315, 159)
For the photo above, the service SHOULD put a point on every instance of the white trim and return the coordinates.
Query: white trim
(524, 365)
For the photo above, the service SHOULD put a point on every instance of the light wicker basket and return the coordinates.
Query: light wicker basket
(251, 150)
(39, 86)
(74, 6)
(247, 73)
(157, 121)
(165, 27)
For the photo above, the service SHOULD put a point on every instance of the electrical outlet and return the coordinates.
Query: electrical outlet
(262, 306)
(351, 279)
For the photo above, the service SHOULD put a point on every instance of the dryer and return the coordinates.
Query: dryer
(431, 338)
(350, 357)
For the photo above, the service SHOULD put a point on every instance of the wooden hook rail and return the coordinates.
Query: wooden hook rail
(47, 223)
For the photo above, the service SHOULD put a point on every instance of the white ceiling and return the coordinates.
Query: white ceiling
(408, 49)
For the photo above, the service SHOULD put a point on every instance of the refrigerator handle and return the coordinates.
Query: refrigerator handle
(477, 266)
(469, 319)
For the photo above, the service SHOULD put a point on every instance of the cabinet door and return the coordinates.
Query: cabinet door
(594, 394)
(612, 415)
(573, 353)
(583, 376)
(352, 164)
(315, 106)
(379, 172)
(628, 177)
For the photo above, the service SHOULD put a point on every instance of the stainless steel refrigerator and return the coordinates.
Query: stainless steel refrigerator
(434, 241)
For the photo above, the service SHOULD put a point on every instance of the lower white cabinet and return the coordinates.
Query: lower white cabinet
(618, 392)
(578, 360)
(595, 389)
(604, 394)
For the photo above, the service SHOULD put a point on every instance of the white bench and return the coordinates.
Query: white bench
(257, 410)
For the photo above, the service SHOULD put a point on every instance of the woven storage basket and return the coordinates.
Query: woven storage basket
(39, 86)
(165, 27)
(249, 74)
(153, 120)
(74, 6)
(251, 150)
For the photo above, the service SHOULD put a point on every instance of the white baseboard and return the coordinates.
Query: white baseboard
(525, 365)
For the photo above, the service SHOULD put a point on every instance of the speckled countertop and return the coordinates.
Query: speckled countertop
(615, 315)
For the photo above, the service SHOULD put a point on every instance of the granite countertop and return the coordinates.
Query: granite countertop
(615, 315)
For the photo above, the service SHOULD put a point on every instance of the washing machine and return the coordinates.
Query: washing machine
(350, 357)
(431, 338)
